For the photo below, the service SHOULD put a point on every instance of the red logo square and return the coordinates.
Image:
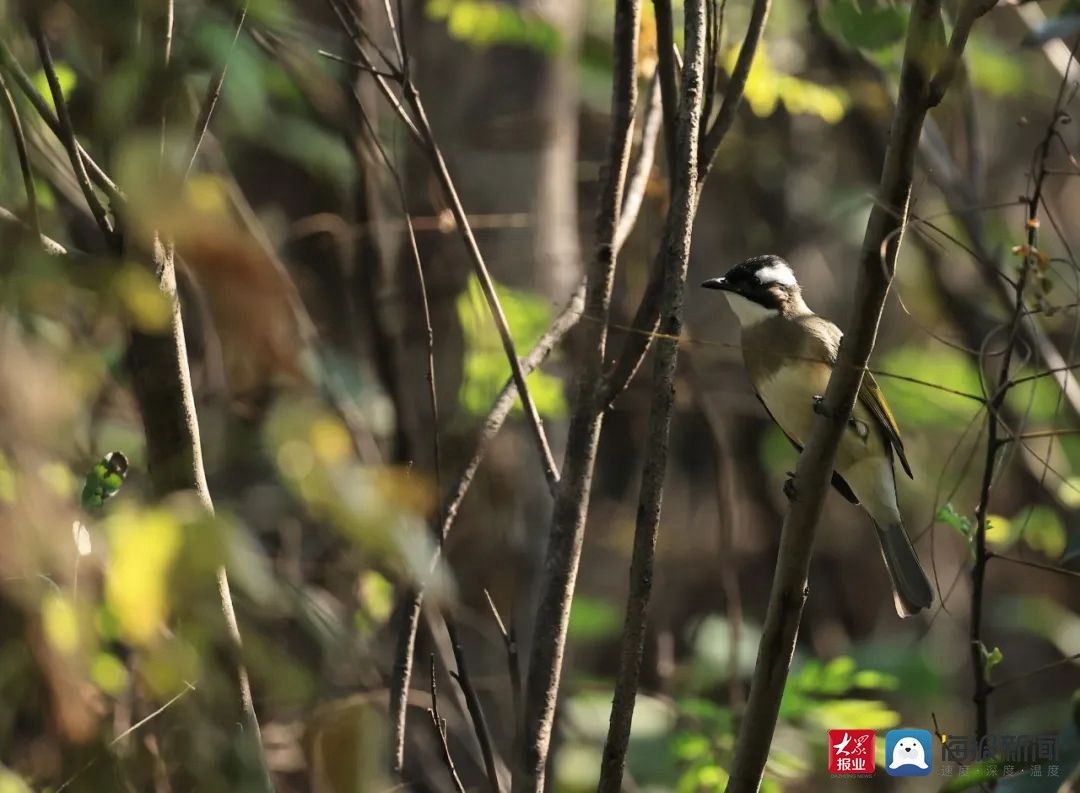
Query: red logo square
(851, 751)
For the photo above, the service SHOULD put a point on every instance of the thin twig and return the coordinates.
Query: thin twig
(513, 662)
(66, 131)
(439, 723)
(213, 92)
(638, 181)
(978, 573)
(1034, 565)
(472, 701)
(669, 77)
(411, 613)
(674, 257)
(1036, 671)
(44, 110)
(733, 94)
(646, 318)
(24, 157)
(572, 499)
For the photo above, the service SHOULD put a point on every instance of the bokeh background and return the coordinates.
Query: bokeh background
(308, 354)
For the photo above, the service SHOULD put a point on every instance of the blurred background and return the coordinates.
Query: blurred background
(308, 354)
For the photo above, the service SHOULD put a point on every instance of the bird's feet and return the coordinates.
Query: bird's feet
(789, 487)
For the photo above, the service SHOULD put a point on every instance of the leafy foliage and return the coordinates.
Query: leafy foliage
(484, 23)
(865, 25)
(486, 369)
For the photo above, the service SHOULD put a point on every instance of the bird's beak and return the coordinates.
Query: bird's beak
(717, 283)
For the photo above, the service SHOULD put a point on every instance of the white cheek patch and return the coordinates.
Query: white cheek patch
(776, 274)
(748, 312)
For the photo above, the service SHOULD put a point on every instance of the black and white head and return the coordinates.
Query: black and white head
(761, 288)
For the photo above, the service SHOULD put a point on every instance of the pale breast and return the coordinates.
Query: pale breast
(788, 392)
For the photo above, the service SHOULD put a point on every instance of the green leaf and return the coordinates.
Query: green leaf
(592, 619)
(1042, 530)
(486, 369)
(870, 28)
(991, 658)
(950, 517)
(484, 23)
(65, 75)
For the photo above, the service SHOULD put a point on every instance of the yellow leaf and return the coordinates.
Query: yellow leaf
(144, 546)
(60, 622)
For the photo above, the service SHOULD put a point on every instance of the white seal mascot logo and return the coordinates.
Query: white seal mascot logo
(908, 751)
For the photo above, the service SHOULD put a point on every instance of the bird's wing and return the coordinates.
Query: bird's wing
(874, 400)
(842, 487)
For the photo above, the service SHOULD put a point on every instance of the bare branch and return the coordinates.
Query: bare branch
(44, 110)
(472, 702)
(733, 95)
(970, 11)
(513, 663)
(24, 158)
(993, 446)
(673, 257)
(213, 92)
(669, 77)
(439, 723)
(638, 181)
(572, 498)
(66, 132)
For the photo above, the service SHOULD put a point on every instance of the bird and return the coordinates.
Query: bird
(789, 353)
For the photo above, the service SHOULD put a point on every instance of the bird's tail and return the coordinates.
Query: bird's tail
(911, 588)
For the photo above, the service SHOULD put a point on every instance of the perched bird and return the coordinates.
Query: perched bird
(104, 480)
(789, 352)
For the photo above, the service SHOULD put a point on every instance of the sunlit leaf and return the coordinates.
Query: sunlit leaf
(1042, 530)
(144, 545)
(486, 369)
(108, 673)
(65, 76)
(60, 622)
(483, 23)
(766, 88)
(10, 782)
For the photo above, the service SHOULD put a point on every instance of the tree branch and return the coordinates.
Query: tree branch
(733, 95)
(572, 498)
(24, 157)
(213, 92)
(877, 263)
(646, 318)
(668, 73)
(66, 132)
(673, 258)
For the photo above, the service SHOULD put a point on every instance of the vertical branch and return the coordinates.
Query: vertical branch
(921, 86)
(668, 74)
(646, 318)
(572, 498)
(994, 442)
(673, 258)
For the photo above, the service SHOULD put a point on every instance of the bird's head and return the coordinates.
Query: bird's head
(759, 289)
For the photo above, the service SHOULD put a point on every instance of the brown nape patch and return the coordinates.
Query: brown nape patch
(787, 299)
